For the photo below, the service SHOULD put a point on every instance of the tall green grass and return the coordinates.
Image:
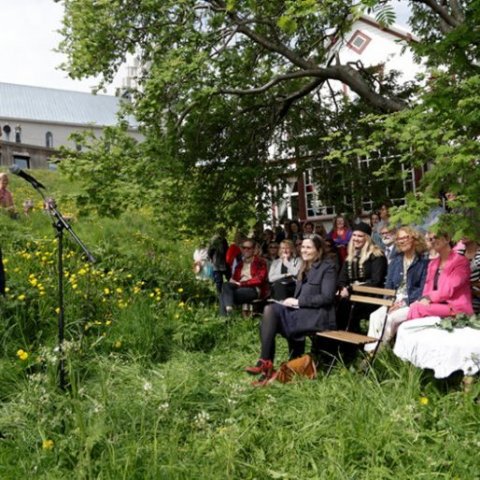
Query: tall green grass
(156, 388)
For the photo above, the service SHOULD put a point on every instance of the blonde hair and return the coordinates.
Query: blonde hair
(288, 243)
(418, 238)
(367, 250)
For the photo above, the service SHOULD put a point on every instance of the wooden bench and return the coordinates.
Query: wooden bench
(362, 294)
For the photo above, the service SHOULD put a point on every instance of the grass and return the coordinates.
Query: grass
(156, 382)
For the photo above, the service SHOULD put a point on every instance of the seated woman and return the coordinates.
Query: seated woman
(283, 272)
(447, 287)
(406, 274)
(248, 281)
(310, 309)
(365, 264)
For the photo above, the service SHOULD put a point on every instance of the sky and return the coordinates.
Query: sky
(28, 36)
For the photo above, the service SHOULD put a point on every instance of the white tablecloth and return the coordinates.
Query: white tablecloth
(426, 346)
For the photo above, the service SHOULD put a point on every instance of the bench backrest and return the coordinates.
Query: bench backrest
(373, 295)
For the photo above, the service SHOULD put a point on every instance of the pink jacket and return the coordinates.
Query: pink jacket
(453, 284)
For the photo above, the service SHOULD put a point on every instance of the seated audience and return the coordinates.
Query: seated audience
(310, 309)
(341, 235)
(248, 281)
(406, 274)
(283, 272)
(365, 264)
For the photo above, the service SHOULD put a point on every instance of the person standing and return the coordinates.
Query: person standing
(217, 252)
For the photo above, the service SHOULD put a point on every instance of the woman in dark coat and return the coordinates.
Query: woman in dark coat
(365, 264)
(310, 309)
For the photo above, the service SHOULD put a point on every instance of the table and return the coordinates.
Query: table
(425, 346)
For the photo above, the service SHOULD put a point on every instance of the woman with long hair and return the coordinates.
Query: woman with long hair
(365, 264)
(310, 309)
(341, 235)
(406, 274)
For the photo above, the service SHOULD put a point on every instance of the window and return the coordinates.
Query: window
(22, 161)
(49, 140)
(358, 41)
(6, 131)
(18, 134)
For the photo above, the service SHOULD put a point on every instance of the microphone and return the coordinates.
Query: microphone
(16, 170)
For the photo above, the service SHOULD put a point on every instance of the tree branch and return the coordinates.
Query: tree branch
(442, 12)
(273, 82)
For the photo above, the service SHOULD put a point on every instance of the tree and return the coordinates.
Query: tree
(222, 79)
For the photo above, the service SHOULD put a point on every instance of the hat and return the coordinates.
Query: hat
(362, 227)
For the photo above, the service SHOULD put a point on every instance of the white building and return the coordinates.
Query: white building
(368, 44)
(34, 121)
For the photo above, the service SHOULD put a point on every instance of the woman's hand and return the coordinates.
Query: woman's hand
(344, 292)
(234, 282)
(425, 301)
(395, 306)
(291, 302)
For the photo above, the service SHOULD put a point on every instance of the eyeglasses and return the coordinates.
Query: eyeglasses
(247, 247)
(386, 234)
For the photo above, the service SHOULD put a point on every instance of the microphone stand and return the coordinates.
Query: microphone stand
(60, 224)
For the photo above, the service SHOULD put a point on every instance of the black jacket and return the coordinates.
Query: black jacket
(316, 298)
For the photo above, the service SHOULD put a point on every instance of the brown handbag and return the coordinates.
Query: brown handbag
(302, 367)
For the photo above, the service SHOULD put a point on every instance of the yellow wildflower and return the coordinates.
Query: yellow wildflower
(21, 297)
(119, 290)
(423, 400)
(57, 310)
(181, 304)
(117, 344)
(47, 444)
(106, 291)
(180, 290)
(22, 355)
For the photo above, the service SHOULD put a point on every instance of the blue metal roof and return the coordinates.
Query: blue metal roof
(62, 106)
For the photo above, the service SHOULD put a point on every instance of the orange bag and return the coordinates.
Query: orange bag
(302, 366)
